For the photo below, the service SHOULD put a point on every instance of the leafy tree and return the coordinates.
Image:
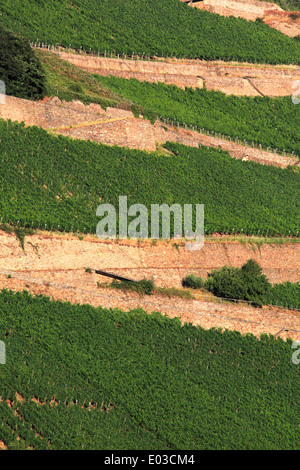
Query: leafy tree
(20, 68)
(256, 282)
(245, 283)
(227, 282)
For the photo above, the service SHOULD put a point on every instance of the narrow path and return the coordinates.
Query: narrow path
(94, 123)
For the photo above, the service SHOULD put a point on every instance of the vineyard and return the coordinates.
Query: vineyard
(271, 122)
(109, 380)
(93, 365)
(165, 29)
(261, 122)
(57, 183)
(287, 293)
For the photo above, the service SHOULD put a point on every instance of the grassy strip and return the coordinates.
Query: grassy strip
(146, 287)
(68, 82)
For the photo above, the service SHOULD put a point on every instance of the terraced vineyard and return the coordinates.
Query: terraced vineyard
(64, 191)
(169, 28)
(93, 371)
(76, 376)
(271, 122)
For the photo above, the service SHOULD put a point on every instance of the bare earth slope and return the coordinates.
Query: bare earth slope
(54, 265)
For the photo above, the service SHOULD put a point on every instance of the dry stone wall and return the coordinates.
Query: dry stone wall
(120, 127)
(166, 262)
(56, 267)
(238, 79)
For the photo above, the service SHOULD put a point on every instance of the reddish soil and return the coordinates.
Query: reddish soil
(2, 446)
(57, 268)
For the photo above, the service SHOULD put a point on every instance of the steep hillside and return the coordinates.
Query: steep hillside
(121, 127)
(58, 182)
(246, 126)
(263, 120)
(153, 27)
(69, 82)
(233, 78)
(90, 364)
(77, 377)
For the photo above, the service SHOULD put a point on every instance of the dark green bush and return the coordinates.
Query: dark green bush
(245, 283)
(143, 287)
(193, 281)
(227, 282)
(257, 284)
(208, 284)
(20, 68)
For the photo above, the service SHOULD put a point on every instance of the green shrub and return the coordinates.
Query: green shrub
(257, 284)
(245, 283)
(193, 281)
(143, 287)
(208, 284)
(227, 282)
